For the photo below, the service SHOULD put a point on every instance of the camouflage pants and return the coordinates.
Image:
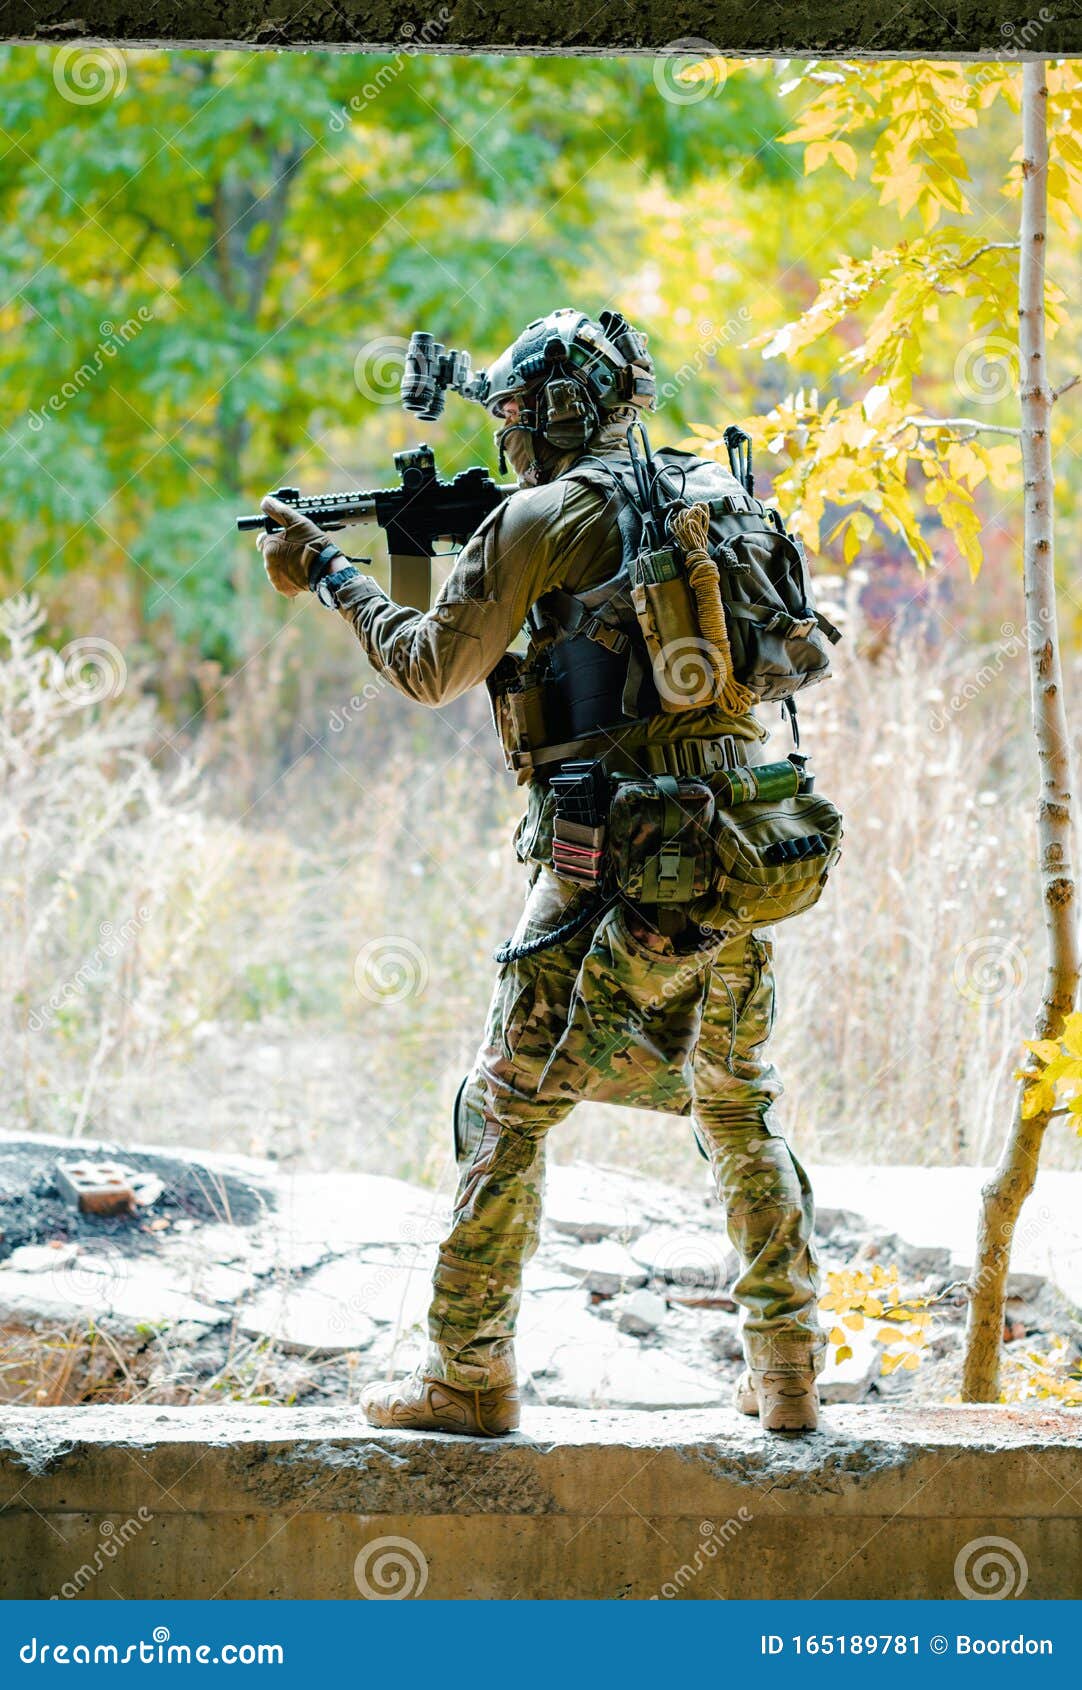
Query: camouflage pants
(604, 1016)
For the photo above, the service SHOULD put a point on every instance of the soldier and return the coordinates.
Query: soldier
(639, 1005)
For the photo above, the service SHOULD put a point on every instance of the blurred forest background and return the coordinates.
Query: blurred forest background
(248, 896)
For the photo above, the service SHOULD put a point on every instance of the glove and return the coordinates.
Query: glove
(286, 557)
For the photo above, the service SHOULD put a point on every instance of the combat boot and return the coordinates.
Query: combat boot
(784, 1402)
(424, 1403)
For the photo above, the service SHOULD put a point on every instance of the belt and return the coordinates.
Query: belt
(691, 758)
(687, 758)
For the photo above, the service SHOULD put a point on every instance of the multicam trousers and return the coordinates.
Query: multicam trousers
(605, 1016)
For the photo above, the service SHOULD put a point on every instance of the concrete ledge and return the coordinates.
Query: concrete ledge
(925, 28)
(231, 1502)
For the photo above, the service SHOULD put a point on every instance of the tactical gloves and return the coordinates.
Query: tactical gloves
(298, 555)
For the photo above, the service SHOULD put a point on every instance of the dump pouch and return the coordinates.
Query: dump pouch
(771, 861)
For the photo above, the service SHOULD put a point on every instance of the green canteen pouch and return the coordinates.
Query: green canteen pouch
(660, 845)
(772, 858)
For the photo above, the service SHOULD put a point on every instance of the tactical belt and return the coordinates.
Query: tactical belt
(688, 758)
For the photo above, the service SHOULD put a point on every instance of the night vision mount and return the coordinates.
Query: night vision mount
(430, 370)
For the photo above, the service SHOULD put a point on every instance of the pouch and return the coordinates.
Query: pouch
(660, 845)
(771, 861)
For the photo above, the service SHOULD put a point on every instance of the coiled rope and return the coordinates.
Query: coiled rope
(691, 530)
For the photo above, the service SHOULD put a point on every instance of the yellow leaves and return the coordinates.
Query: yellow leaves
(965, 463)
(857, 1295)
(1042, 1376)
(1038, 1099)
(1002, 464)
(1045, 1050)
(1059, 1077)
(818, 153)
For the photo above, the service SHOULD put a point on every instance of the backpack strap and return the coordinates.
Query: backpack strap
(789, 627)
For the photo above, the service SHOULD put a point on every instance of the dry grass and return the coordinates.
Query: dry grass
(181, 916)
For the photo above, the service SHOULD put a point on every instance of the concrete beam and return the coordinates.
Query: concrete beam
(922, 28)
(239, 1502)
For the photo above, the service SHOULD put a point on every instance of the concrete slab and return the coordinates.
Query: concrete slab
(293, 1503)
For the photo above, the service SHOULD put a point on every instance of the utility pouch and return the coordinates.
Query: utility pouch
(667, 617)
(660, 844)
(516, 699)
(772, 858)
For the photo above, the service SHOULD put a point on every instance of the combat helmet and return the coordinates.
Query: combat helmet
(566, 371)
(570, 370)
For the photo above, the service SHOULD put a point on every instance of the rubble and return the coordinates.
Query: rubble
(606, 1268)
(249, 1280)
(97, 1188)
(640, 1313)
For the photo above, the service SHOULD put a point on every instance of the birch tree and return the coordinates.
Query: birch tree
(1013, 1180)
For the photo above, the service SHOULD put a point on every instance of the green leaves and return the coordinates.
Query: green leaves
(256, 218)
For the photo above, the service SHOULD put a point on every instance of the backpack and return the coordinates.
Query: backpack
(773, 640)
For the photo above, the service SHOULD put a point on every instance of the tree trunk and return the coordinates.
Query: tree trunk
(1012, 1182)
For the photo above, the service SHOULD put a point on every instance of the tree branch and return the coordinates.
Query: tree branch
(989, 246)
(972, 425)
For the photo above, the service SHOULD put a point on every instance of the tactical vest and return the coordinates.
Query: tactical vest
(589, 683)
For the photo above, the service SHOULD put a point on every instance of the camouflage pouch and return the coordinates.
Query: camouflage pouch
(660, 846)
(771, 858)
(516, 695)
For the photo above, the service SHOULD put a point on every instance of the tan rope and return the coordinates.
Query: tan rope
(691, 529)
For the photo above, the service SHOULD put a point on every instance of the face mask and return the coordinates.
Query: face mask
(514, 443)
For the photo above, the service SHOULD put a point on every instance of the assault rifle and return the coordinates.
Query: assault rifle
(413, 516)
